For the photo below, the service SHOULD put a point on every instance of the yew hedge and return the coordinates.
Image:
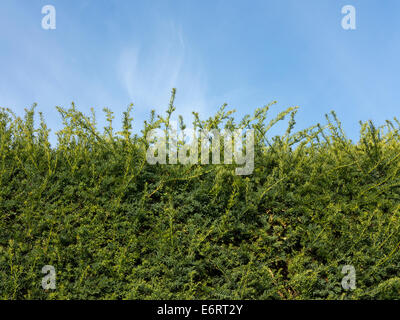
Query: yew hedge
(116, 227)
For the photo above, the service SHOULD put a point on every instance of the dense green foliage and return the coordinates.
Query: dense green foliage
(115, 227)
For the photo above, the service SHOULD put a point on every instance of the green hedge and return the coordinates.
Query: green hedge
(115, 227)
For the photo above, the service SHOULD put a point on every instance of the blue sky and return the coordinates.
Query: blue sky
(245, 53)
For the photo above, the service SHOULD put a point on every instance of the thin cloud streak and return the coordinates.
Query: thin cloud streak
(149, 74)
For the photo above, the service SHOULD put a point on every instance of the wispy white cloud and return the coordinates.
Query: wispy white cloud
(148, 73)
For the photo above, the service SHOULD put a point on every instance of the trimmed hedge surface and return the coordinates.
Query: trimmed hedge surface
(115, 227)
